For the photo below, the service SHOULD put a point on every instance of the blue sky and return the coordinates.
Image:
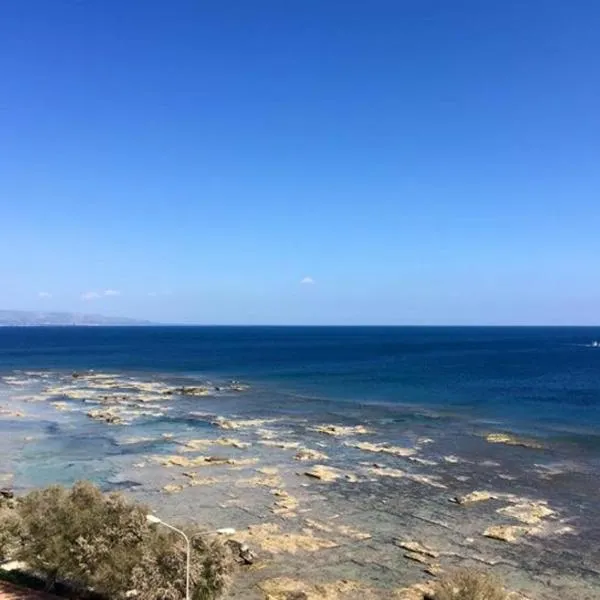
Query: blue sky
(307, 161)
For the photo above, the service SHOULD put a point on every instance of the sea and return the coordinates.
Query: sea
(537, 380)
(424, 409)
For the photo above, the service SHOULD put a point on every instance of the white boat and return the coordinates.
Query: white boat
(596, 344)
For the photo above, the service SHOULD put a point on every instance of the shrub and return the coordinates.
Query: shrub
(104, 543)
(162, 570)
(467, 584)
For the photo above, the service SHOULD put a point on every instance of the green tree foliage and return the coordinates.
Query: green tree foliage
(467, 584)
(104, 543)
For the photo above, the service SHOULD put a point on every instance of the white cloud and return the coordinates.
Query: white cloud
(308, 281)
(155, 294)
(90, 295)
(44, 295)
(112, 293)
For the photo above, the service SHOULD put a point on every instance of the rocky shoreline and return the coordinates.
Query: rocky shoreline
(336, 510)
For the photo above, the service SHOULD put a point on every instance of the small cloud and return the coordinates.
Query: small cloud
(307, 281)
(44, 295)
(112, 293)
(90, 295)
(155, 294)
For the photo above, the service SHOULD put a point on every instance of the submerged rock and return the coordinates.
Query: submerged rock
(385, 448)
(511, 440)
(189, 391)
(310, 454)
(342, 430)
(107, 416)
(280, 444)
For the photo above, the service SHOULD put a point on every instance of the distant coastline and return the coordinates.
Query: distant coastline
(25, 318)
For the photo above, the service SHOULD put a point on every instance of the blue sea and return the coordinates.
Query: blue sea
(542, 380)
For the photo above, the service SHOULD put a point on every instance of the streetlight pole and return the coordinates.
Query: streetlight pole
(156, 521)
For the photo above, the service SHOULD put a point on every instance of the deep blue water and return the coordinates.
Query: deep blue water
(536, 379)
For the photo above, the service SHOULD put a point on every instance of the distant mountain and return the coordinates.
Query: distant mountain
(32, 319)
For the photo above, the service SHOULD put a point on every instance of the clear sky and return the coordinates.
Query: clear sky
(302, 161)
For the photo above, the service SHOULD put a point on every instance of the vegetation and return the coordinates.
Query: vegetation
(103, 543)
(467, 584)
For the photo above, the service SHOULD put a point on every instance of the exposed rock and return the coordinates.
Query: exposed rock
(431, 480)
(323, 473)
(344, 530)
(193, 445)
(173, 488)
(418, 591)
(417, 547)
(474, 496)
(241, 552)
(387, 472)
(310, 454)
(270, 538)
(285, 505)
(6, 494)
(452, 459)
(434, 570)
(286, 588)
(417, 557)
(201, 461)
(529, 512)
(268, 470)
(342, 430)
(268, 477)
(350, 532)
(506, 533)
(196, 481)
(385, 448)
(511, 440)
(318, 526)
(240, 423)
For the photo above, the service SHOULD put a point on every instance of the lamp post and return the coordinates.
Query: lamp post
(156, 521)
